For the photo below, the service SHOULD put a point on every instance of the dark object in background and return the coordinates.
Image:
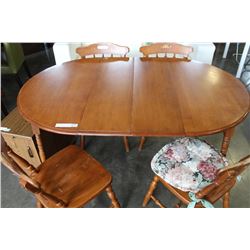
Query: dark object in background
(30, 48)
(13, 61)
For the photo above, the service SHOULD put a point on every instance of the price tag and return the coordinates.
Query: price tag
(66, 125)
(5, 129)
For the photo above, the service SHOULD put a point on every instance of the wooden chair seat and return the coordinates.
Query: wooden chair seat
(70, 178)
(73, 176)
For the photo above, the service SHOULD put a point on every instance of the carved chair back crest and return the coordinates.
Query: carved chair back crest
(176, 51)
(103, 50)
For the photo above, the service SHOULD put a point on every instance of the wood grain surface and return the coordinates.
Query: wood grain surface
(185, 98)
(134, 96)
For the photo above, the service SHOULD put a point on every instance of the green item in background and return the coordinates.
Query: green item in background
(14, 58)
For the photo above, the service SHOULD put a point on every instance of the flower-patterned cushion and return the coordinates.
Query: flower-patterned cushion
(188, 164)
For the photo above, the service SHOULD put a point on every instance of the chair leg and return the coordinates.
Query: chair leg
(179, 204)
(150, 190)
(27, 69)
(141, 143)
(19, 81)
(226, 200)
(157, 202)
(39, 204)
(112, 197)
(125, 139)
(82, 141)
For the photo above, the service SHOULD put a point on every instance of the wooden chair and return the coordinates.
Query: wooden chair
(219, 188)
(104, 49)
(70, 178)
(171, 51)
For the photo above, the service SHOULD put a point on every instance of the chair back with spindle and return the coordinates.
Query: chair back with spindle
(167, 48)
(26, 174)
(224, 181)
(17, 165)
(102, 49)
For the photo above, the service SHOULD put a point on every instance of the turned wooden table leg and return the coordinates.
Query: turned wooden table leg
(82, 141)
(125, 139)
(150, 190)
(226, 140)
(226, 200)
(112, 197)
(141, 143)
(41, 152)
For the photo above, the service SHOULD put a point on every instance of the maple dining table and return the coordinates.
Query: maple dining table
(134, 97)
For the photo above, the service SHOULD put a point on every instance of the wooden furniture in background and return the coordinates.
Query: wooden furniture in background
(64, 52)
(166, 48)
(174, 49)
(108, 49)
(219, 188)
(70, 178)
(21, 139)
(135, 97)
(103, 49)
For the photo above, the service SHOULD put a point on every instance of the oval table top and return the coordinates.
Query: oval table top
(134, 97)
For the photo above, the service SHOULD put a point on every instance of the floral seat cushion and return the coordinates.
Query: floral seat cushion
(188, 164)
